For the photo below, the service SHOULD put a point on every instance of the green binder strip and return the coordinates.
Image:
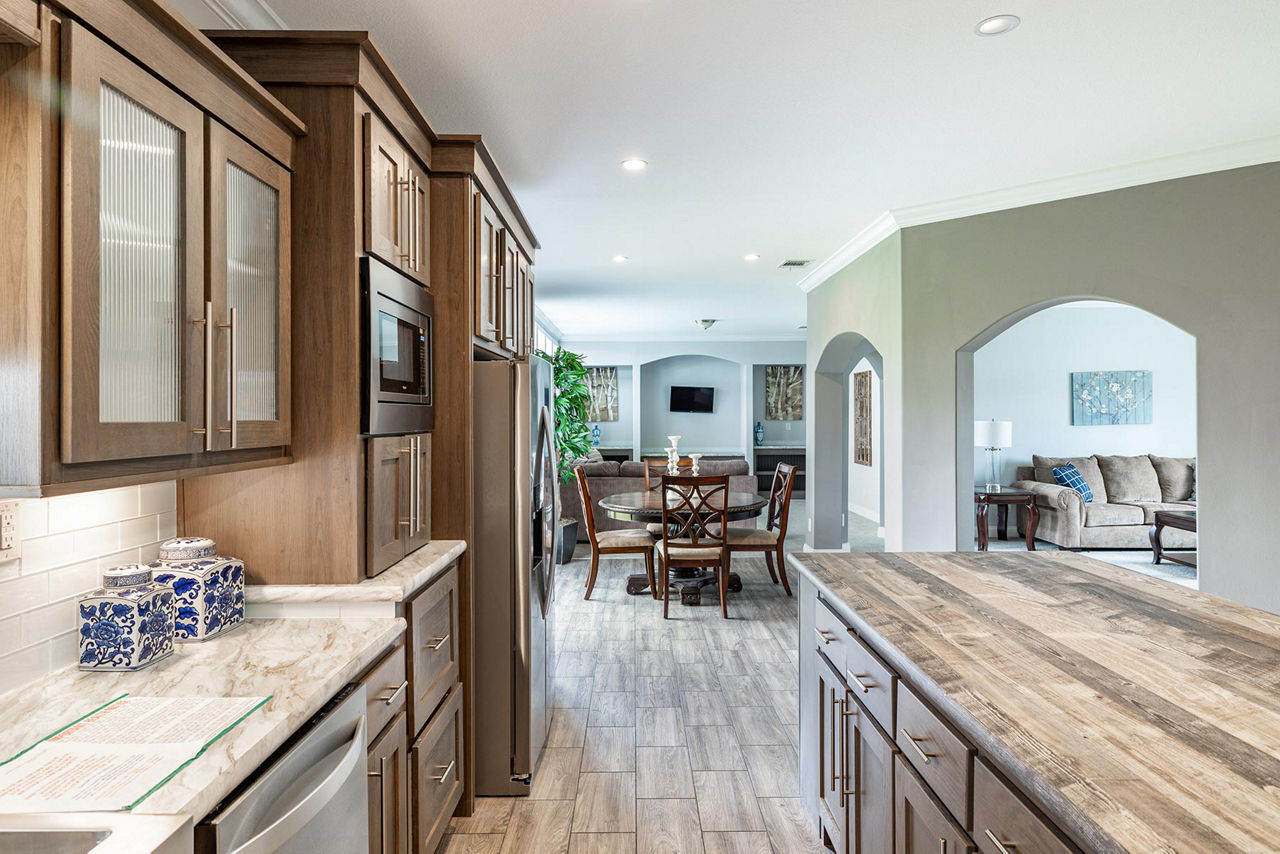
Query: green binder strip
(171, 774)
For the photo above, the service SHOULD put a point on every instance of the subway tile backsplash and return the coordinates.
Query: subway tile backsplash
(66, 543)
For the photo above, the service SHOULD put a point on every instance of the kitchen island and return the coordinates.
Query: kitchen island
(1012, 702)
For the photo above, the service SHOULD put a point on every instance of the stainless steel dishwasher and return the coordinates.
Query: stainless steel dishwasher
(311, 796)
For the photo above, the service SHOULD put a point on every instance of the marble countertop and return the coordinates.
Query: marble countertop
(301, 664)
(393, 584)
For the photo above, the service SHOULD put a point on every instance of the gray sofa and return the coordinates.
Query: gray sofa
(610, 478)
(1127, 492)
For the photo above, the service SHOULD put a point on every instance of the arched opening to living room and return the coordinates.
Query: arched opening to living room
(846, 469)
(1089, 407)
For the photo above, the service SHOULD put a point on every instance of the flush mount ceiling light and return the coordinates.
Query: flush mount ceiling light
(635, 164)
(751, 256)
(706, 322)
(997, 25)
(619, 259)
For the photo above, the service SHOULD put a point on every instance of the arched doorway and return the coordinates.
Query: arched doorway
(1031, 369)
(829, 466)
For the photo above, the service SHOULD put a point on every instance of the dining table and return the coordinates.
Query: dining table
(646, 506)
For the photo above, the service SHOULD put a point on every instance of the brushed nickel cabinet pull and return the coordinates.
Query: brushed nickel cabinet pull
(942, 846)
(825, 636)
(914, 743)
(207, 323)
(390, 699)
(439, 642)
(835, 776)
(1001, 847)
(232, 381)
(857, 678)
(849, 711)
(447, 769)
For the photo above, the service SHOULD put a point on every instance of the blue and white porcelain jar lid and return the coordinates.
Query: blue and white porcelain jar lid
(129, 575)
(187, 548)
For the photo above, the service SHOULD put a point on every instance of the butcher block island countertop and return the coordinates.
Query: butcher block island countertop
(1138, 714)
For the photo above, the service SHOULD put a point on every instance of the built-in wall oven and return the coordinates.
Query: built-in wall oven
(396, 352)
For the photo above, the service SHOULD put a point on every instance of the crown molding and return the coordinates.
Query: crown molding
(668, 338)
(1217, 159)
(246, 14)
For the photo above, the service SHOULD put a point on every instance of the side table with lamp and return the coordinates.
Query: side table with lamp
(994, 435)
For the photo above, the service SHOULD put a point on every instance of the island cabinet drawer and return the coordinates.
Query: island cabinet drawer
(939, 753)
(921, 824)
(872, 682)
(1003, 821)
(433, 646)
(437, 773)
(831, 634)
(385, 687)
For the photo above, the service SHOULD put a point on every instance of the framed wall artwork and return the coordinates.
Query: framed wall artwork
(1111, 398)
(783, 392)
(862, 418)
(603, 385)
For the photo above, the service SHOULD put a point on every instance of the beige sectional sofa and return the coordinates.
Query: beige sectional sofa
(1127, 492)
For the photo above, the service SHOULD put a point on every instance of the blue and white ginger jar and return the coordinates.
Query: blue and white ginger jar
(209, 587)
(128, 623)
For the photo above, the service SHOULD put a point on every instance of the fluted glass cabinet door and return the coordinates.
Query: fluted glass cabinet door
(249, 288)
(133, 260)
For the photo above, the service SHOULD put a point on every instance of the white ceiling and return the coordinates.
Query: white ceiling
(785, 127)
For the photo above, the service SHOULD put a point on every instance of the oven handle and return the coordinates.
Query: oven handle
(311, 805)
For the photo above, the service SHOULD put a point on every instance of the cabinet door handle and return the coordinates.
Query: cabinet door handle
(1001, 847)
(230, 326)
(439, 642)
(412, 521)
(445, 773)
(914, 740)
(404, 213)
(390, 699)
(207, 323)
(835, 707)
(856, 678)
(825, 636)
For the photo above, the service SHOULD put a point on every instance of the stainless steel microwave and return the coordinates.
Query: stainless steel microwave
(397, 375)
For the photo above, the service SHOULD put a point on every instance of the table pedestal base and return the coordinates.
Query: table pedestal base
(690, 583)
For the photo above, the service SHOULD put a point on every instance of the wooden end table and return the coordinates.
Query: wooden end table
(1183, 520)
(1003, 500)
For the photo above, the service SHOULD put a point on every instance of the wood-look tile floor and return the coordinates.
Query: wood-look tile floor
(668, 736)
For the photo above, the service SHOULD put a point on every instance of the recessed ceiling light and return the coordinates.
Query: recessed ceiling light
(751, 256)
(635, 164)
(997, 25)
(619, 259)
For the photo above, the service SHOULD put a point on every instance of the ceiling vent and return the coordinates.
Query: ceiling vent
(795, 263)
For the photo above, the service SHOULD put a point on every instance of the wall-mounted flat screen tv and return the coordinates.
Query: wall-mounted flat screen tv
(692, 398)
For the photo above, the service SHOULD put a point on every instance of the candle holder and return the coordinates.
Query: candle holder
(694, 459)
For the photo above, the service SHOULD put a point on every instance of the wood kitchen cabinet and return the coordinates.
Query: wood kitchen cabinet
(833, 766)
(488, 275)
(503, 284)
(147, 334)
(437, 767)
(389, 781)
(398, 498)
(922, 824)
(397, 209)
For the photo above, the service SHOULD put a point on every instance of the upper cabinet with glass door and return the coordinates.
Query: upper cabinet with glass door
(155, 238)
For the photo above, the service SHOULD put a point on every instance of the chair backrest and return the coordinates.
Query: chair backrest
(588, 509)
(655, 471)
(784, 478)
(695, 509)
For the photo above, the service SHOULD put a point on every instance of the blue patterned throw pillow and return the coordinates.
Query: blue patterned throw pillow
(1069, 475)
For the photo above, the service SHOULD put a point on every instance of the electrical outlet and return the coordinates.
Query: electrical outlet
(10, 544)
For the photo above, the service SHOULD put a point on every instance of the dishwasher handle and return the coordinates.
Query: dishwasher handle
(311, 804)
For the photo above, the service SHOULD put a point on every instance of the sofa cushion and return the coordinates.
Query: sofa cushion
(1102, 515)
(1070, 477)
(631, 468)
(1088, 468)
(1177, 476)
(605, 469)
(1149, 508)
(1130, 478)
(719, 467)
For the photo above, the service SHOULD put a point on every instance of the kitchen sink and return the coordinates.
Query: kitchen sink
(51, 841)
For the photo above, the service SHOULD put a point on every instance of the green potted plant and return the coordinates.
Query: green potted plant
(573, 437)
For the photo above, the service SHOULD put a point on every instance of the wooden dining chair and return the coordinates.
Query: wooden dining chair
(694, 518)
(653, 474)
(625, 542)
(772, 536)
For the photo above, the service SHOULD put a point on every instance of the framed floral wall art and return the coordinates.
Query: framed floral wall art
(1111, 398)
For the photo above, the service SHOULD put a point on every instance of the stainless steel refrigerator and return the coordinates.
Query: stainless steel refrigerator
(516, 504)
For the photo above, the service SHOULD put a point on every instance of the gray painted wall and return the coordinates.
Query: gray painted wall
(712, 432)
(619, 432)
(1024, 374)
(1200, 252)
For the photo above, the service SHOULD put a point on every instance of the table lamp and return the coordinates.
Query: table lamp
(993, 435)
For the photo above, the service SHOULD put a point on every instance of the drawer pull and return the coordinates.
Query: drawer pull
(447, 769)
(375, 773)
(825, 636)
(391, 698)
(942, 846)
(438, 642)
(915, 743)
(856, 678)
(1001, 847)
(850, 710)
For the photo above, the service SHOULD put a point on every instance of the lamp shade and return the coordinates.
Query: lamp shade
(992, 434)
